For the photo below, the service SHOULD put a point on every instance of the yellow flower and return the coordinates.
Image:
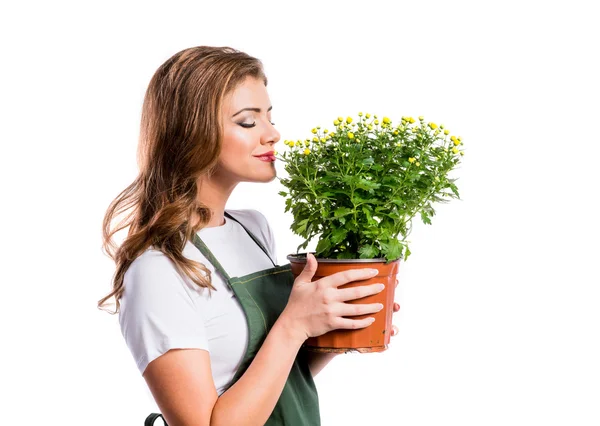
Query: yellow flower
(456, 142)
(323, 139)
(412, 120)
(411, 159)
(349, 120)
(360, 114)
(376, 121)
(386, 120)
(395, 132)
(336, 123)
(350, 135)
(274, 152)
(433, 126)
(441, 126)
(399, 144)
(418, 164)
(415, 130)
(315, 139)
(325, 131)
(306, 151)
(455, 150)
(404, 118)
(446, 132)
(370, 127)
(421, 118)
(291, 144)
(314, 130)
(340, 119)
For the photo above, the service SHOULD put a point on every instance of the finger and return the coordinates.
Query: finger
(396, 307)
(344, 277)
(394, 330)
(397, 282)
(357, 292)
(353, 323)
(309, 269)
(351, 309)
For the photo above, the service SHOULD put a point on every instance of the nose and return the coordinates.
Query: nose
(270, 135)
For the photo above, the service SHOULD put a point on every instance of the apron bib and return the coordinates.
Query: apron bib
(263, 296)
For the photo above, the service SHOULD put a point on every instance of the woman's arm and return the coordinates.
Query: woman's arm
(251, 400)
(182, 385)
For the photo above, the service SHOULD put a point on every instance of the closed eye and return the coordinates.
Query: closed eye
(246, 125)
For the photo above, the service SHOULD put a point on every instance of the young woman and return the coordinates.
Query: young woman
(214, 324)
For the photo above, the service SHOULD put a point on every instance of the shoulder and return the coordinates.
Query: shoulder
(152, 276)
(250, 217)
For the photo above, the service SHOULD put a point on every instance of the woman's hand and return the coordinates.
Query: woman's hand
(395, 309)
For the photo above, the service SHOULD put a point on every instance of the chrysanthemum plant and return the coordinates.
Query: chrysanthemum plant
(360, 185)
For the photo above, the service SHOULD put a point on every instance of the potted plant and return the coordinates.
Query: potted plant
(358, 188)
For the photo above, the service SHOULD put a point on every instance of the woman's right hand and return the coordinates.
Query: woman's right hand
(317, 307)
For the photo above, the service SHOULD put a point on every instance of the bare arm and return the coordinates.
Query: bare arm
(251, 400)
(182, 385)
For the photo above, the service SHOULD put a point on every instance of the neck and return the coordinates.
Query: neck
(214, 191)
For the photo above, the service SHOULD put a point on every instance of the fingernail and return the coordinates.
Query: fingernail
(380, 306)
(381, 286)
(373, 271)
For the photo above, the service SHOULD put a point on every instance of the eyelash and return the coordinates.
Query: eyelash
(247, 126)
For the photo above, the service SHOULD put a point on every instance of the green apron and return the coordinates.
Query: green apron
(263, 296)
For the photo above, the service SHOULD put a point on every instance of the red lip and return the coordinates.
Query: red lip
(266, 154)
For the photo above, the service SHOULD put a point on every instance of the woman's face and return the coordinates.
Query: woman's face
(247, 132)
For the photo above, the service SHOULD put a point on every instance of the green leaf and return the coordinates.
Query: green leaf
(338, 235)
(323, 245)
(341, 211)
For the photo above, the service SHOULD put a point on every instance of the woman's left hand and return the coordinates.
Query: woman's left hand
(395, 309)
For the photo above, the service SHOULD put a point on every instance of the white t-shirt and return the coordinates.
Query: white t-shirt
(161, 310)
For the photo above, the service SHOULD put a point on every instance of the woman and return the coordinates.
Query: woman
(217, 348)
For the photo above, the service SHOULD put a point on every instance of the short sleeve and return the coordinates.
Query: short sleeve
(156, 313)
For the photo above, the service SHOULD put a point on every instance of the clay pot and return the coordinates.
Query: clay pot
(375, 337)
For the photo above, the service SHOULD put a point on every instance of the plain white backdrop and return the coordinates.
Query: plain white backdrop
(499, 321)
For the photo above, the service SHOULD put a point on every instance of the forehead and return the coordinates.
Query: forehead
(250, 93)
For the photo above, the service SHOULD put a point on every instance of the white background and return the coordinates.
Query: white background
(499, 321)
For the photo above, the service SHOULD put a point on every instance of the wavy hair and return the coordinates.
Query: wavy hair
(180, 141)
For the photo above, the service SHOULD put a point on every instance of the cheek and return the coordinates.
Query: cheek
(238, 141)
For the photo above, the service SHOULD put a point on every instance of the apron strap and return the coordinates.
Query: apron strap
(208, 254)
(213, 260)
(152, 417)
(256, 240)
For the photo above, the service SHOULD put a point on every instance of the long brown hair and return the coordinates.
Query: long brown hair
(179, 142)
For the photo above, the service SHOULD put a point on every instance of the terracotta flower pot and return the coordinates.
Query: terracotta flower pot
(375, 337)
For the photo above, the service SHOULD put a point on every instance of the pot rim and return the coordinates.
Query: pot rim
(302, 256)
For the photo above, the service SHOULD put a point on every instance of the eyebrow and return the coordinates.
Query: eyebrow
(251, 109)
